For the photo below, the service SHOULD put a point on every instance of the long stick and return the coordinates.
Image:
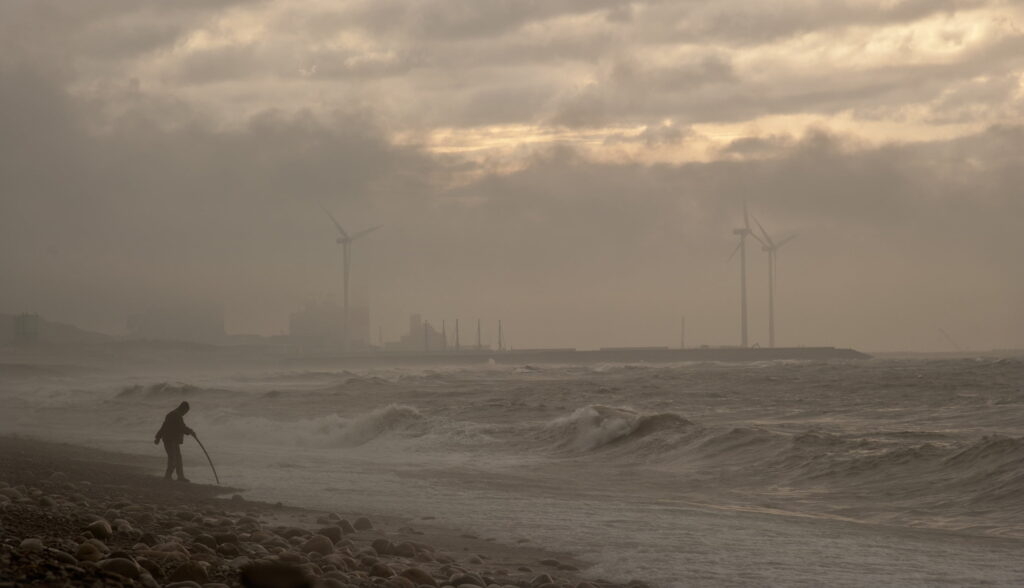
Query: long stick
(207, 458)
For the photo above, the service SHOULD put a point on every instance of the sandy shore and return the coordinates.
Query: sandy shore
(76, 516)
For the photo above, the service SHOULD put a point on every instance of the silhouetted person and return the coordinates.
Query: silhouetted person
(173, 433)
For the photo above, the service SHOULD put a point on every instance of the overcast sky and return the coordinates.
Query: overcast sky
(573, 167)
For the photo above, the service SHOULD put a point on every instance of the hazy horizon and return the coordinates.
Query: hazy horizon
(573, 168)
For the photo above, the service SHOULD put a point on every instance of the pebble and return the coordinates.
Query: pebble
(460, 579)
(332, 533)
(291, 532)
(88, 552)
(267, 574)
(206, 540)
(63, 557)
(11, 493)
(550, 562)
(318, 544)
(380, 570)
(189, 571)
(240, 562)
(100, 529)
(185, 584)
(419, 577)
(404, 549)
(362, 524)
(31, 544)
(120, 565)
(226, 538)
(290, 557)
(382, 546)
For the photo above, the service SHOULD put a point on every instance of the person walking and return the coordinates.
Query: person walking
(172, 433)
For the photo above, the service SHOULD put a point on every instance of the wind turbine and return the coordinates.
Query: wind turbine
(743, 233)
(345, 240)
(772, 248)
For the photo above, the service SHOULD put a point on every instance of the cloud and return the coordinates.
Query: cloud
(187, 158)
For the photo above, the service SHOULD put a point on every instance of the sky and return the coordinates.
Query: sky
(575, 168)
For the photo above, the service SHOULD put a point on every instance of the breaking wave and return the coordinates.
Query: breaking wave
(165, 390)
(327, 431)
(593, 427)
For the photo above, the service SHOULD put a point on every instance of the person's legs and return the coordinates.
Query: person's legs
(179, 466)
(172, 462)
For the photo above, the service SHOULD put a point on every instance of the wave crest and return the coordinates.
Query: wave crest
(595, 426)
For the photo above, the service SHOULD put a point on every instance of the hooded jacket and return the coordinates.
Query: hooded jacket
(174, 429)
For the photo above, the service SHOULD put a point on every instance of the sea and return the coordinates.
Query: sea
(880, 472)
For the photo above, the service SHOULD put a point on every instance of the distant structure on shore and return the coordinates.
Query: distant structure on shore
(26, 328)
(29, 329)
(422, 336)
(346, 240)
(743, 232)
(769, 246)
(322, 324)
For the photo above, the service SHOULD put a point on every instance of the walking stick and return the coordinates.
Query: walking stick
(194, 436)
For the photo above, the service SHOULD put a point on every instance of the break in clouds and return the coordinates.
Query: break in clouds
(574, 168)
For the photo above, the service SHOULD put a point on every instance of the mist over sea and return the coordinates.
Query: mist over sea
(880, 472)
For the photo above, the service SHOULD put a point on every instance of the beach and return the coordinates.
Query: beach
(75, 516)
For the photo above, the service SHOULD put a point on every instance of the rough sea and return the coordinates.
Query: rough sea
(894, 472)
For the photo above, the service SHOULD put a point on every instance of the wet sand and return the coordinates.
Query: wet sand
(76, 516)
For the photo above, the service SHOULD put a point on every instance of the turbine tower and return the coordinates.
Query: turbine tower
(772, 248)
(345, 240)
(743, 233)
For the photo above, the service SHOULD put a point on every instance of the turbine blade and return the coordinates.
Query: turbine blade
(365, 232)
(335, 221)
(786, 240)
(735, 251)
(765, 233)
